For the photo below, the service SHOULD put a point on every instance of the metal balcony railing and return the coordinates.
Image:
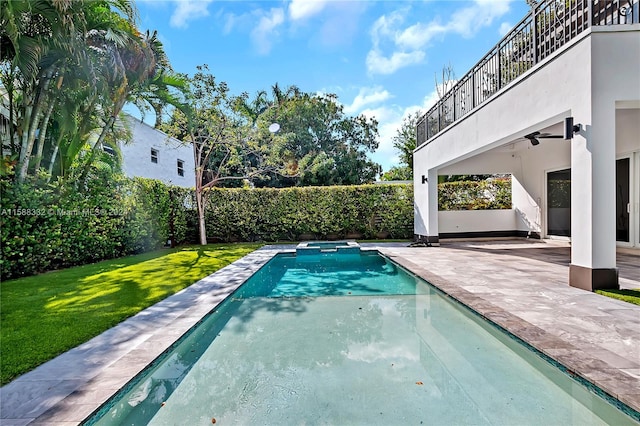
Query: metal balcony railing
(547, 27)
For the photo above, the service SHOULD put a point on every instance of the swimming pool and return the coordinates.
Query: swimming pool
(350, 339)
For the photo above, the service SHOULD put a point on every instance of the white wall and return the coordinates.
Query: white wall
(476, 221)
(137, 156)
(627, 130)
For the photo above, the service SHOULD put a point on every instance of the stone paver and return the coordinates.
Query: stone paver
(520, 285)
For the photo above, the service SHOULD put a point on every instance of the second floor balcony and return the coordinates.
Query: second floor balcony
(548, 26)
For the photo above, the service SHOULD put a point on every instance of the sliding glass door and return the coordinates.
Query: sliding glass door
(559, 203)
(623, 202)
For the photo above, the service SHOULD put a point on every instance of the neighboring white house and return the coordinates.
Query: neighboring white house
(153, 154)
(579, 60)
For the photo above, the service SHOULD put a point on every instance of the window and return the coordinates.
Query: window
(180, 168)
(154, 155)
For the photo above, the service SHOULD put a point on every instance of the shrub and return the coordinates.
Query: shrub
(475, 195)
(51, 226)
(316, 212)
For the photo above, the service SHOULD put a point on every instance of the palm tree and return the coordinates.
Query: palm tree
(42, 41)
(137, 73)
(33, 35)
(253, 109)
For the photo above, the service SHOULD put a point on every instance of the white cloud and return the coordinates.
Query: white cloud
(325, 22)
(408, 44)
(385, 26)
(470, 20)
(230, 21)
(418, 35)
(377, 63)
(367, 96)
(390, 119)
(303, 9)
(265, 33)
(188, 10)
(505, 27)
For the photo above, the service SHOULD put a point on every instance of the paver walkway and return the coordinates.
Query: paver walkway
(520, 285)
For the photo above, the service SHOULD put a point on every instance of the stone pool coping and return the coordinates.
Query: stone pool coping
(618, 376)
(67, 389)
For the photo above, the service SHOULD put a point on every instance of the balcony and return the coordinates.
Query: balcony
(546, 28)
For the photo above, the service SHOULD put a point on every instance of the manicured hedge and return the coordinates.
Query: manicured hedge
(364, 211)
(45, 227)
(488, 194)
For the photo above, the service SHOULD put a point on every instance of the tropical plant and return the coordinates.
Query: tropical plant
(226, 147)
(44, 40)
(398, 173)
(404, 140)
(318, 142)
(67, 68)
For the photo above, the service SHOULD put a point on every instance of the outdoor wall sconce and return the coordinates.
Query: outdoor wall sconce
(569, 130)
(424, 179)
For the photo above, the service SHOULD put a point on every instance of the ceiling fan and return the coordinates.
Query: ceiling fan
(535, 136)
(569, 130)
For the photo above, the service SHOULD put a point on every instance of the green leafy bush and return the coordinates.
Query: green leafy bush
(366, 211)
(52, 226)
(475, 195)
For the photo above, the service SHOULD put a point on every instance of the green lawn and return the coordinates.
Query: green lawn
(45, 315)
(631, 296)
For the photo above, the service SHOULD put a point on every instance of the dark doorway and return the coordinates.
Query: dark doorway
(623, 167)
(559, 203)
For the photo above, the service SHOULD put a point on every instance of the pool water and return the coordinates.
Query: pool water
(330, 340)
(331, 274)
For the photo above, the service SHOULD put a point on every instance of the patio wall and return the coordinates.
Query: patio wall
(471, 222)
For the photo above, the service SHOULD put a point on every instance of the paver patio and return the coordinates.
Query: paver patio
(519, 284)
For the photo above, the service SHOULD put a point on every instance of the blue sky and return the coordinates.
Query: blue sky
(379, 57)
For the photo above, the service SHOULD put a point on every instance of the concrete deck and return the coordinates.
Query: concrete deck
(520, 285)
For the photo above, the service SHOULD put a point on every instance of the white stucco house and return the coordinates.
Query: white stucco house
(566, 60)
(155, 155)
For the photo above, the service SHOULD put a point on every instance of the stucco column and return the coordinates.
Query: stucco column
(432, 226)
(593, 239)
(426, 206)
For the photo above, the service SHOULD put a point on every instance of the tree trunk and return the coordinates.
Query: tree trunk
(200, 202)
(32, 121)
(200, 196)
(9, 86)
(43, 135)
(53, 160)
(28, 108)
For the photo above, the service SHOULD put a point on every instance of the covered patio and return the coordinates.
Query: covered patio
(557, 107)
